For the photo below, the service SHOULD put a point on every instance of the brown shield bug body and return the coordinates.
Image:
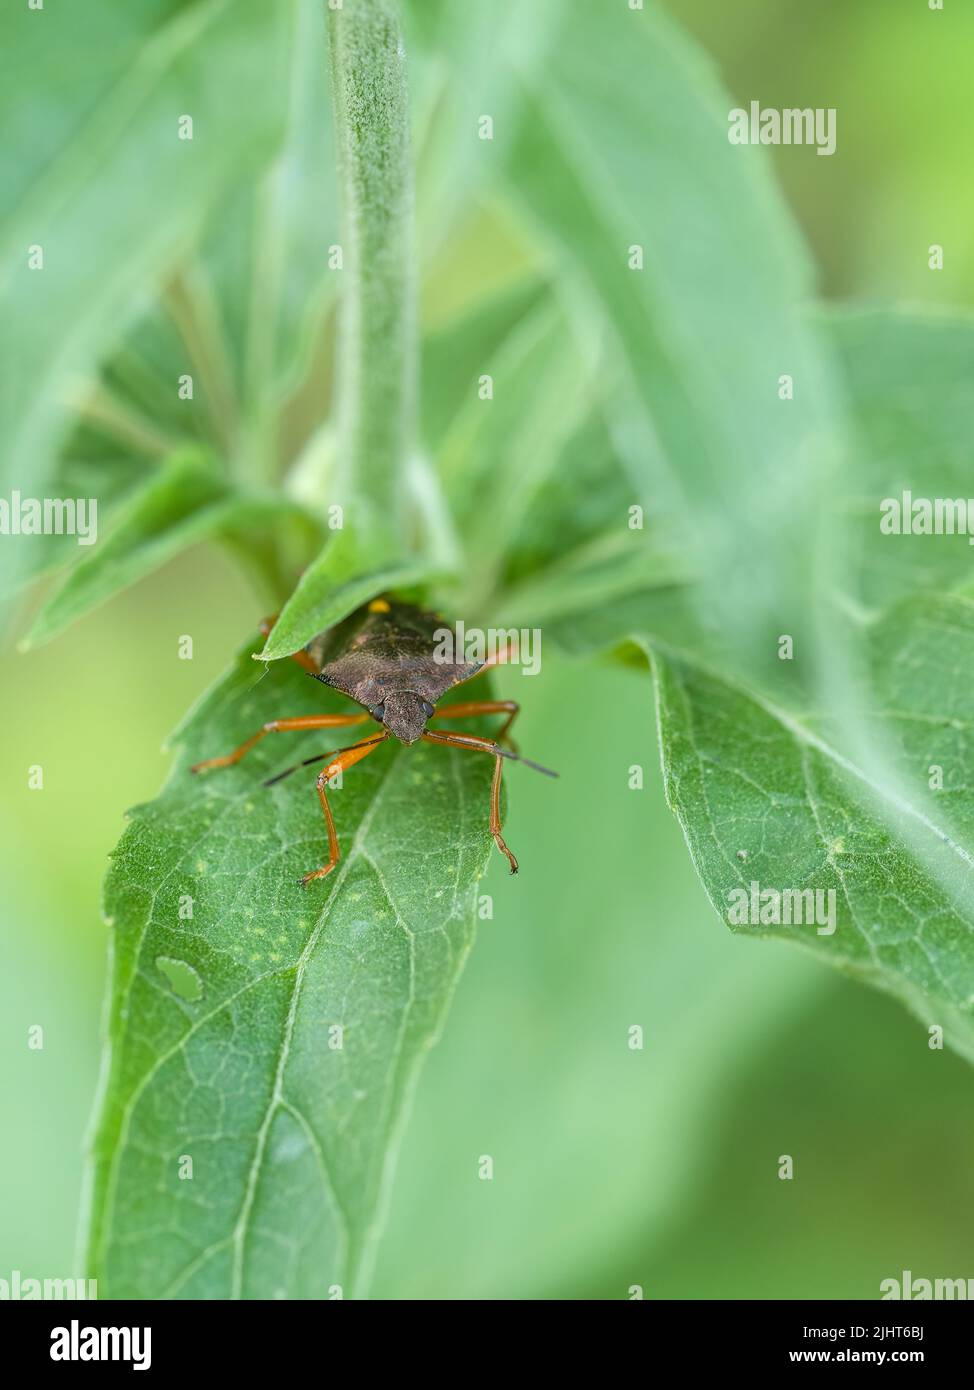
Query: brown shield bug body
(384, 657)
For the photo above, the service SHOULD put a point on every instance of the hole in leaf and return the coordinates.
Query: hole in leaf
(181, 978)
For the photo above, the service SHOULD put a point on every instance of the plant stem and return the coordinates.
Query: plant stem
(377, 349)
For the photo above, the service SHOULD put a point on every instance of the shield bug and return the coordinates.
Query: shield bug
(384, 657)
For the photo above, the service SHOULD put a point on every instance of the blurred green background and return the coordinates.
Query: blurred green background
(613, 1167)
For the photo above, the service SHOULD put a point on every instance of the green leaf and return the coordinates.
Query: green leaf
(586, 952)
(714, 317)
(32, 42)
(136, 392)
(908, 378)
(500, 452)
(222, 1028)
(576, 551)
(268, 258)
(595, 575)
(91, 465)
(765, 798)
(151, 527)
(661, 612)
(244, 310)
(183, 503)
(344, 576)
(466, 60)
(454, 355)
(99, 264)
(539, 485)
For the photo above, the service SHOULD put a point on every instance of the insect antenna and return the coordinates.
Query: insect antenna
(516, 757)
(496, 749)
(317, 758)
(280, 776)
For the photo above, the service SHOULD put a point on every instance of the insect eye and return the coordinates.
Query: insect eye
(428, 709)
(378, 712)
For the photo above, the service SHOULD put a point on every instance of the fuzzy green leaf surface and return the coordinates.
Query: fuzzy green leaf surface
(677, 240)
(181, 504)
(153, 526)
(908, 378)
(767, 799)
(344, 576)
(174, 61)
(379, 345)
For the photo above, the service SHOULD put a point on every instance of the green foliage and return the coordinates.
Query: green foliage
(283, 1066)
(681, 245)
(334, 585)
(378, 368)
(908, 378)
(101, 246)
(656, 295)
(764, 799)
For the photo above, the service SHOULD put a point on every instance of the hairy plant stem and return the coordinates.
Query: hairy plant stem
(377, 347)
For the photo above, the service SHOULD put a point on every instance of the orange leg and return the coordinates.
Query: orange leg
(338, 762)
(468, 707)
(499, 658)
(278, 726)
(301, 657)
(483, 745)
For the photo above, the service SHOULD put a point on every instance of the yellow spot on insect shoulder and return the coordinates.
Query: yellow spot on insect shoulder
(378, 605)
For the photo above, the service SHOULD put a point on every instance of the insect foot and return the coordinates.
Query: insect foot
(315, 873)
(511, 859)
